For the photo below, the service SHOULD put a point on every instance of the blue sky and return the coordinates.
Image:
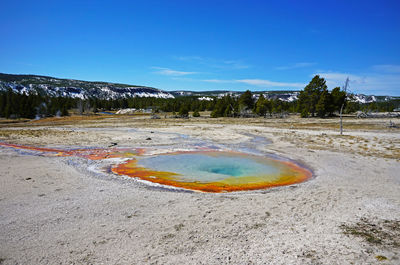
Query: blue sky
(206, 45)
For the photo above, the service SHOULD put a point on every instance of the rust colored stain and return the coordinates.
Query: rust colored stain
(92, 154)
(131, 169)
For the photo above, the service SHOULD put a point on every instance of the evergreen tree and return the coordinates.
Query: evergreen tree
(228, 111)
(277, 106)
(64, 111)
(338, 98)
(268, 106)
(246, 100)
(323, 104)
(304, 113)
(2, 103)
(309, 97)
(8, 107)
(7, 110)
(184, 110)
(219, 109)
(261, 106)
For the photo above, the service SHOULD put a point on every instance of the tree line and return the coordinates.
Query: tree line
(246, 106)
(314, 100)
(15, 105)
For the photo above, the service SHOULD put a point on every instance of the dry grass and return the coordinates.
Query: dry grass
(38, 136)
(30, 133)
(384, 233)
(292, 122)
(365, 145)
(9, 121)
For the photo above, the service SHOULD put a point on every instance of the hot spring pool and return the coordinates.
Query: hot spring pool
(214, 171)
(207, 171)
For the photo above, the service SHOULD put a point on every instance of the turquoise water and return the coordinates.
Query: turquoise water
(209, 168)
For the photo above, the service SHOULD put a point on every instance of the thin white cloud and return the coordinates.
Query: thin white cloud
(388, 68)
(190, 58)
(268, 83)
(295, 66)
(170, 72)
(214, 63)
(235, 64)
(257, 82)
(187, 79)
(219, 81)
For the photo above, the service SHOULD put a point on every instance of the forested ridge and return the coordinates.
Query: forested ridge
(314, 101)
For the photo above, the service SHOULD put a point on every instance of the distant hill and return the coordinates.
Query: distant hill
(46, 85)
(284, 95)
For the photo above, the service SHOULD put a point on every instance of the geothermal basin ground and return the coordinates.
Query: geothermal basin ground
(73, 210)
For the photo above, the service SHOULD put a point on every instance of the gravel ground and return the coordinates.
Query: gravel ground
(55, 211)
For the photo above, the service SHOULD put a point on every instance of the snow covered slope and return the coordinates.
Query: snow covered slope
(51, 86)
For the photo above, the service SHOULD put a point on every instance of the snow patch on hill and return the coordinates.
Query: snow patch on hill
(99, 91)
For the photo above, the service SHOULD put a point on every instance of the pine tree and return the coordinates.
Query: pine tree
(246, 100)
(64, 111)
(8, 106)
(184, 110)
(2, 103)
(7, 110)
(95, 110)
(220, 107)
(261, 106)
(304, 113)
(228, 111)
(310, 96)
(338, 98)
(323, 103)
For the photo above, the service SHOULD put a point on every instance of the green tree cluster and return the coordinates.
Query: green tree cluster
(15, 105)
(184, 110)
(246, 101)
(226, 106)
(316, 100)
(196, 113)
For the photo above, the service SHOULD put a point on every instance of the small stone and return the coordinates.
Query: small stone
(381, 258)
